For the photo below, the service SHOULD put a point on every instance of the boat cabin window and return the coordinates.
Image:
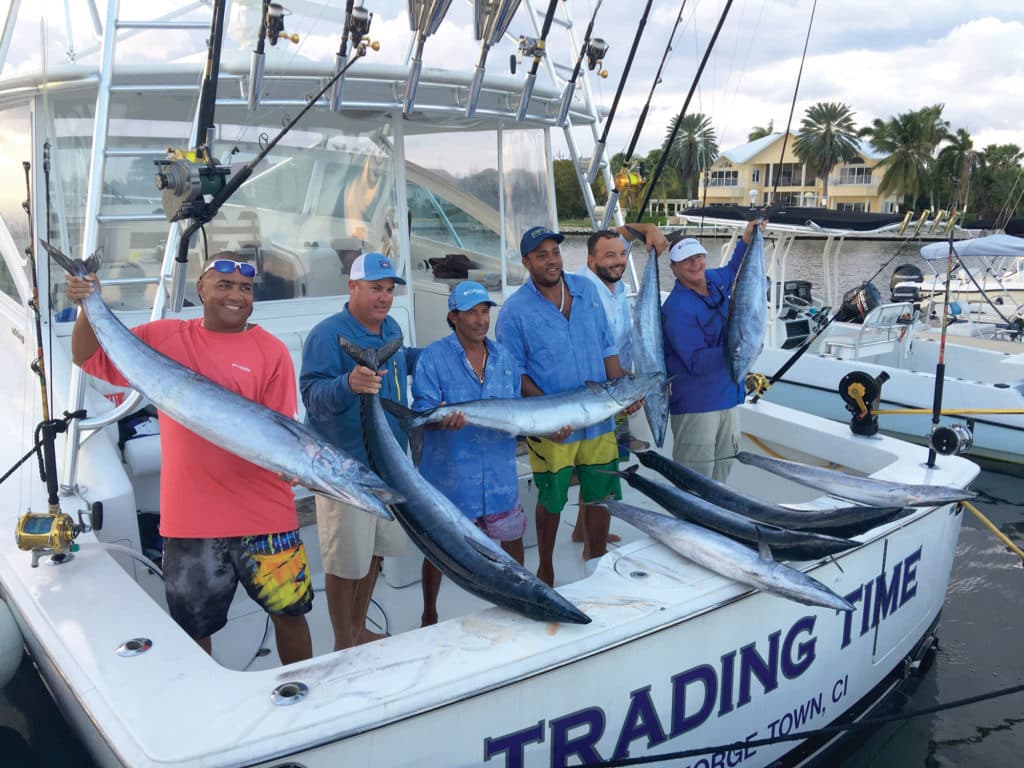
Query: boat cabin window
(325, 194)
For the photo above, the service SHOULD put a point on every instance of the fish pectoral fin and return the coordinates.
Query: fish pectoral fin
(597, 387)
(491, 554)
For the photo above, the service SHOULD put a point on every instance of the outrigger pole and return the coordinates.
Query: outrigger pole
(613, 198)
(535, 48)
(682, 112)
(595, 161)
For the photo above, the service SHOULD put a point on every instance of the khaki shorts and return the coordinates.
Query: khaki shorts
(707, 442)
(350, 537)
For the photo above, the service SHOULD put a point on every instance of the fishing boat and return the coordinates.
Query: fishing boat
(886, 351)
(987, 284)
(675, 657)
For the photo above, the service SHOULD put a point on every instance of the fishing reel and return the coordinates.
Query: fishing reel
(862, 393)
(184, 179)
(950, 439)
(359, 26)
(597, 49)
(274, 21)
(529, 47)
(54, 533)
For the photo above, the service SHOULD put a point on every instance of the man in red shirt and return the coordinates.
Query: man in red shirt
(224, 520)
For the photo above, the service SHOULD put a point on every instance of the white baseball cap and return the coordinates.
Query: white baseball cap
(686, 248)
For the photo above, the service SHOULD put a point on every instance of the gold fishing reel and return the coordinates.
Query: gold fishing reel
(756, 384)
(44, 532)
(862, 393)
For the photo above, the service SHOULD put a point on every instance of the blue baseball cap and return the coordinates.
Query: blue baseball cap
(534, 236)
(373, 266)
(467, 295)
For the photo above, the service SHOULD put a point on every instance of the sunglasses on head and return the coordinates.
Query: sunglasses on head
(227, 266)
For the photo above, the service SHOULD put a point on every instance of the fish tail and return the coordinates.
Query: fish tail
(75, 267)
(370, 357)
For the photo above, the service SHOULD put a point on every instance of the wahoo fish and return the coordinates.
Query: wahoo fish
(791, 545)
(245, 428)
(449, 540)
(748, 311)
(844, 521)
(727, 558)
(591, 404)
(648, 347)
(864, 490)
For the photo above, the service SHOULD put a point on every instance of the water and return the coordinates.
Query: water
(978, 631)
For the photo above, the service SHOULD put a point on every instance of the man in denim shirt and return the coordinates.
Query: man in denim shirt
(353, 542)
(474, 467)
(557, 331)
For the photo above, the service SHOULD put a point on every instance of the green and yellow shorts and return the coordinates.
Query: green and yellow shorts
(553, 463)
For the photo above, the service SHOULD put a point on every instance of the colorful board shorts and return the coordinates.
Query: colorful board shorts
(504, 526)
(201, 576)
(552, 464)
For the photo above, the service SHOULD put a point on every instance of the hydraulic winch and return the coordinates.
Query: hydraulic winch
(862, 392)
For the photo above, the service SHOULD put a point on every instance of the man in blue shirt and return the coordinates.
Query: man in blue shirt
(352, 541)
(474, 467)
(705, 422)
(556, 329)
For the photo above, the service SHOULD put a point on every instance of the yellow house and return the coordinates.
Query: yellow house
(746, 174)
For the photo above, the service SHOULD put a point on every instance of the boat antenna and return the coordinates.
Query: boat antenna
(529, 46)
(425, 17)
(613, 198)
(682, 112)
(595, 49)
(595, 160)
(491, 20)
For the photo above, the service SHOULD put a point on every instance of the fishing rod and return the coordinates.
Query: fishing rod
(175, 176)
(792, 105)
(426, 17)
(490, 22)
(940, 366)
(341, 57)
(595, 161)
(613, 198)
(272, 29)
(679, 120)
(536, 48)
(595, 50)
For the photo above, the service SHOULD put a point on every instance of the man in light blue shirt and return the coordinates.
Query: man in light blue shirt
(474, 467)
(556, 329)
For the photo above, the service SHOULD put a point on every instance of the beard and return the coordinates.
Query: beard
(607, 275)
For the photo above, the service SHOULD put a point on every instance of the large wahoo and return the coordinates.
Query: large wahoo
(228, 420)
(578, 408)
(648, 348)
(844, 521)
(865, 490)
(448, 539)
(727, 558)
(792, 545)
(748, 311)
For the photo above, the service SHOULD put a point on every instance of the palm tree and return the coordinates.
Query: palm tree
(908, 140)
(827, 137)
(958, 161)
(695, 148)
(760, 131)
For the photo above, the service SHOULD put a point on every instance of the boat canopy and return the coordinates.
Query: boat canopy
(990, 246)
(821, 218)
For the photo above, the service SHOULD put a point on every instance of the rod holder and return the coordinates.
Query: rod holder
(256, 66)
(524, 101)
(595, 162)
(339, 64)
(474, 90)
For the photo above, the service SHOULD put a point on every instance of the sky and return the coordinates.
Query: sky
(880, 57)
